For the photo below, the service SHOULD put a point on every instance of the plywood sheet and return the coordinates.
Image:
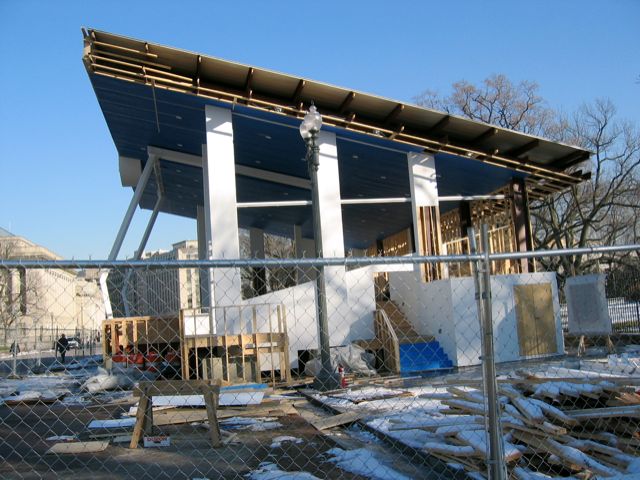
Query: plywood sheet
(535, 319)
(78, 447)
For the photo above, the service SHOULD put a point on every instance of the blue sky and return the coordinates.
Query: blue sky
(59, 182)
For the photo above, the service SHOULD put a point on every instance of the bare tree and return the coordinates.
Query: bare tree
(603, 210)
(257, 281)
(19, 291)
(280, 248)
(496, 101)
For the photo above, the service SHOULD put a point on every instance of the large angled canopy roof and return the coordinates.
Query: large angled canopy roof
(153, 95)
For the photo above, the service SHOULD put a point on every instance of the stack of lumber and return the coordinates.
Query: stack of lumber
(556, 427)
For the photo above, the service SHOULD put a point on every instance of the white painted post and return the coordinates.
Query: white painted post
(220, 205)
(424, 188)
(338, 312)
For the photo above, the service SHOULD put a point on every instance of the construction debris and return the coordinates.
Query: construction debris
(541, 438)
(336, 420)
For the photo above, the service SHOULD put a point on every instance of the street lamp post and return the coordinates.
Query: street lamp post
(327, 378)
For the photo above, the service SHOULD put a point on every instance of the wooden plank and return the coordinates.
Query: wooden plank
(535, 319)
(607, 412)
(382, 397)
(525, 321)
(174, 387)
(568, 454)
(242, 349)
(273, 375)
(543, 430)
(182, 416)
(211, 405)
(337, 420)
(140, 421)
(74, 448)
(177, 417)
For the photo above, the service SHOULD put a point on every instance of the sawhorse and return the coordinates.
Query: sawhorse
(147, 390)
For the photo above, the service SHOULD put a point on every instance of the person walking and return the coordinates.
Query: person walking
(63, 345)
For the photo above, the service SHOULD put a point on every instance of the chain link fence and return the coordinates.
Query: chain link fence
(333, 369)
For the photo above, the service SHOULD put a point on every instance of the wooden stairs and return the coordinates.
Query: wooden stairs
(403, 329)
(404, 349)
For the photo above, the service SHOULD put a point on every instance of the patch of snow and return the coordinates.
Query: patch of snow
(270, 471)
(62, 438)
(363, 462)
(363, 436)
(104, 381)
(230, 398)
(113, 423)
(28, 396)
(278, 441)
(440, 446)
(258, 424)
(75, 400)
(363, 394)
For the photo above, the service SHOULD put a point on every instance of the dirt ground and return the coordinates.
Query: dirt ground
(23, 430)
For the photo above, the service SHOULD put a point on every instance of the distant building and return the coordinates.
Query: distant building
(45, 299)
(152, 291)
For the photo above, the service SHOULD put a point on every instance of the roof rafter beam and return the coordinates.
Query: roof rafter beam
(397, 132)
(439, 126)
(346, 102)
(397, 110)
(519, 151)
(298, 92)
(573, 159)
(483, 137)
(248, 82)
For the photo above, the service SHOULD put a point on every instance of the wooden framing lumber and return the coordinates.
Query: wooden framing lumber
(337, 420)
(568, 454)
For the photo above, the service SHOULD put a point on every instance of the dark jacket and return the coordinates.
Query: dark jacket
(63, 344)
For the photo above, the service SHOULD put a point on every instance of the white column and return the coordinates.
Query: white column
(221, 218)
(424, 187)
(338, 312)
(329, 191)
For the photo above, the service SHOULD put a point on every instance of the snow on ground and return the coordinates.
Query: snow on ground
(25, 353)
(75, 400)
(113, 423)
(363, 436)
(361, 394)
(362, 461)
(278, 441)
(62, 438)
(270, 471)
(104, 380)
(425, 399)
(39, 383)
(257, 424)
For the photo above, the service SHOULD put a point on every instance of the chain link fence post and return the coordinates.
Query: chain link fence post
(482, 278)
